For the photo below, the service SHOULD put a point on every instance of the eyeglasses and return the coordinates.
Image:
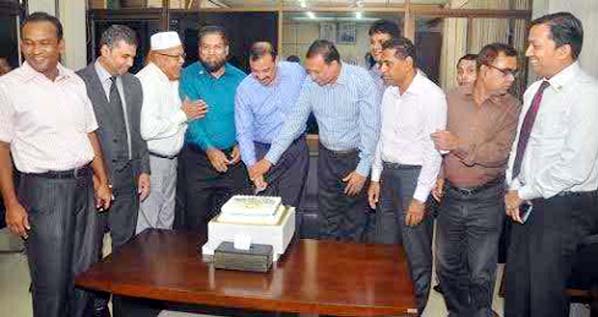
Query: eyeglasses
(177, 56)
(505, 71)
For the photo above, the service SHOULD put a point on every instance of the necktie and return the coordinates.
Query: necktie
(116, 104)
(526, 127)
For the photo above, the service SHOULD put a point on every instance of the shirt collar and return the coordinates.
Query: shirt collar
(29, 73)
(415, 88)
(343, 76)
(159, 73)
(102, 72)
(564, 76)
(204, 72)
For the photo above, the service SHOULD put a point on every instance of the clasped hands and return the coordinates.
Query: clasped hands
(220, 161)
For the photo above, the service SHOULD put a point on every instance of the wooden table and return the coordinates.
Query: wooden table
(318, 277)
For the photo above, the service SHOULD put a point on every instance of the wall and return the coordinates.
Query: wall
(72, 15)
(587, 12)
(298, 36)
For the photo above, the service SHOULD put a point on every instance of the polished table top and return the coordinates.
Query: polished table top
(323, 277)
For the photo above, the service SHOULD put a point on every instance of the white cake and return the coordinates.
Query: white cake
(258, 221)
(251, 206)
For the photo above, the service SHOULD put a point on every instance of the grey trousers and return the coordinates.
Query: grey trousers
(157, 210)
(61, 242)
(397, 185)
(467, 233)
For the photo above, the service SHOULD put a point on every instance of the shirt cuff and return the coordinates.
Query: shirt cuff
(528, 193)
(514, 184)
(376, 173)
(464, 153)
(273, 156)
(363, 168)
(180, 117)
(421, 194)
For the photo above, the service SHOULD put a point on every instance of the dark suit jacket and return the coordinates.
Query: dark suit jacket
(107, 132)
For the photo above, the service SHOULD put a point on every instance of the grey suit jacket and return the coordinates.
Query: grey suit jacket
(107, 131)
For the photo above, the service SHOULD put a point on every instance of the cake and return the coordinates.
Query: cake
(265, 219)
(251, 205)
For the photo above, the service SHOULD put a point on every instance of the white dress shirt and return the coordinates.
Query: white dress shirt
(46, 122)
(562, 151)
(407, 122)
(163, 123)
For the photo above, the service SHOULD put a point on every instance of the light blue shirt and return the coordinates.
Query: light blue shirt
(260, 111)
(347, 112)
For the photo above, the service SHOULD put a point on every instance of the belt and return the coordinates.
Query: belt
(74, 173)
(340, 152)
(170, 157)
(477, 189)
(577, 194)
(399, 166)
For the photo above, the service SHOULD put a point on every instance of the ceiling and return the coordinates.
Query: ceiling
(318, 3)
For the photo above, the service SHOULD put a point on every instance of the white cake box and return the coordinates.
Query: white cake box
(278, 235)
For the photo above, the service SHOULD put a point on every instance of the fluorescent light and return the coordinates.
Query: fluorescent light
(302, 3)
(358, 15)
(310, 14)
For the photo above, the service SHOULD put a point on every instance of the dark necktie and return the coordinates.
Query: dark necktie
(116, 104)
(526, 127)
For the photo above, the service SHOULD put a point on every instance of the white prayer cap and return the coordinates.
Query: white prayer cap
(165, 40)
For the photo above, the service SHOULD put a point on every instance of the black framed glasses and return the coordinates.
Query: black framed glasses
(505, 71)
(177, 56)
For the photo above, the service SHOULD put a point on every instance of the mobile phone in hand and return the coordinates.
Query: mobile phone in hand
(525, 210)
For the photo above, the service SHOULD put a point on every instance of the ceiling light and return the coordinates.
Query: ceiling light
(302, 3)
(358, 15)
(310, 14)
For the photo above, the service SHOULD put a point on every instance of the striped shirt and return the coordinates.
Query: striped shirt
(347, 112)
(260, 111)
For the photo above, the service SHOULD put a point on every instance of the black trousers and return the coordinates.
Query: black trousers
(287, 178)
(205, 189)
(468, 228)
(343, 217)
(397, 185)
(541, 253)
(61, 241)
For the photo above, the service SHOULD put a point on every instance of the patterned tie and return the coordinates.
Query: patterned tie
(526, 127)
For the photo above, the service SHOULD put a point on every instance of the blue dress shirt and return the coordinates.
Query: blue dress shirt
(260, 111)
(347, 112)
(217, 128)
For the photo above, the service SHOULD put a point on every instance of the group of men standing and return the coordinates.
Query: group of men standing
(131, 145)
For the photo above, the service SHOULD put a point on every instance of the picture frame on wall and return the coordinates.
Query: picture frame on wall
(328, 31)
(347, 32)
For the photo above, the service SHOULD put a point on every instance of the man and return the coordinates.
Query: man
(380, 32)
(482, 120)
(4, 66)
(343, 100)
(263, 103)
(553, 168)
(406, 164)
(466, 70)
(211, 157)
(163, 125)
(117, 97)
(47, 124)
(382, 227)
